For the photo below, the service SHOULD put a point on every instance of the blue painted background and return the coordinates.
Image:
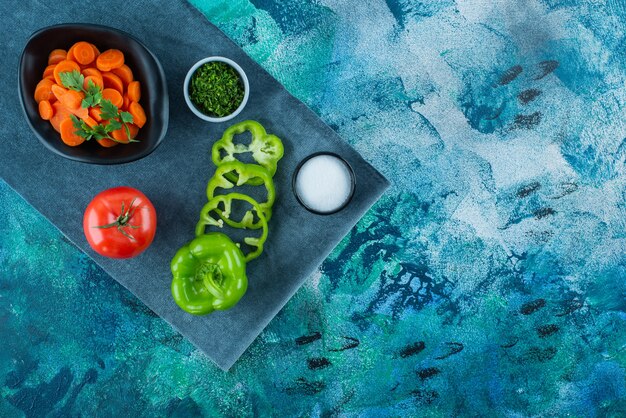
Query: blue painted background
(490, 279)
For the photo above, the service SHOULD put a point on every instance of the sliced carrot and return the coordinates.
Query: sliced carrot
(70, 54)
(134, 91)
(95, 50)
(110, 59)
(111, 81)
(52, 98)
(84, 53)
(56, 56)
(121, 135)
(126, 102)
(125, 73)
(45, 110)
(94, 112)
(95, 80)
(72, 99)
(43, 90)
(62, 67)
(92, 71)
(68, 133)
(134, 130)
(49, 70)
(58, 91)
(107, 143)
(91, 122)
(114, 96)
(139, 115)
(60, 113)
(81, 112)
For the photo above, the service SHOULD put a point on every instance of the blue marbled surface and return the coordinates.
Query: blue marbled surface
(489, 280)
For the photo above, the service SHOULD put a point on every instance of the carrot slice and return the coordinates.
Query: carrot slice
(114, 96)
(134, 130)
(60, 113)
(43, 90)
(62, 67)
(110, 59)
(139, 115)
(45, 110)
(107, 143)
(84, 53)
(80, 112)
(134, 91)
(72, 99)
(58, 91)
(56, 56)
(95, 50)
(49, 70)
(121, 135)
(52, 98)
(111, 81)
(126, 102)
(94, 112)
(95, 80)
(125, 73)
(92, 71)
(90, 121)
(70, 54)
(68, 133)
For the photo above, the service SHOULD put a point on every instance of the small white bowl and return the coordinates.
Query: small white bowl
(246, 87)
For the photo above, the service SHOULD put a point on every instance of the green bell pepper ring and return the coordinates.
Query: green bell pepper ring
(209, 273)
(244, 173)
(247, 222)
(266, 149)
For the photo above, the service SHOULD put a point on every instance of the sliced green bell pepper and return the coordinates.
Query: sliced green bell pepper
(244, 172)
(222, 205)
(209, 273)
(266, 149)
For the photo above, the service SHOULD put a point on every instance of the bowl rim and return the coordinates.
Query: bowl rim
(87, 160)
(294, 178)
(242, 75)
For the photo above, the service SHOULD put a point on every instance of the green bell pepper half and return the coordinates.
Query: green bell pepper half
(222, 205)
(266, 149)
(244, 172)
(209, 273)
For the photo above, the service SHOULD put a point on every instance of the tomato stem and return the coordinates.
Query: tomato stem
(123, 220)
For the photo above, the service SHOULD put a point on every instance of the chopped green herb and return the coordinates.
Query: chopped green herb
(108, 110)
(93, 95)
(72, 80)
(216, 89)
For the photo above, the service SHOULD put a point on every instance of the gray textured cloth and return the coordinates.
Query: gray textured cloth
(174, 177)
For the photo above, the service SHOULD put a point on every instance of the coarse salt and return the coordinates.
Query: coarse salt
(324, 183)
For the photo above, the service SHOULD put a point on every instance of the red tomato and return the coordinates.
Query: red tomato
(120, 222)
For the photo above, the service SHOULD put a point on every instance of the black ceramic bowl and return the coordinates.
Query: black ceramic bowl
(145, 66)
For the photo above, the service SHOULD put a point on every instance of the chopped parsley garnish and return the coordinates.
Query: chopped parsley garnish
(216, 89)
